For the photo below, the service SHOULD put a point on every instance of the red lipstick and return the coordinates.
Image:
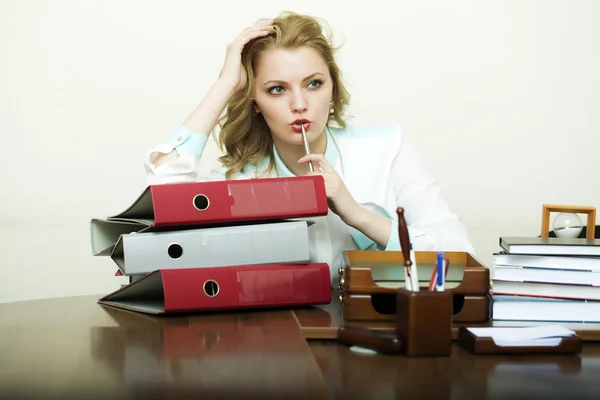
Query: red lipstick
(297, 125)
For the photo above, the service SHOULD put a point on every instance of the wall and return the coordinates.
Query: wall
(499, 97)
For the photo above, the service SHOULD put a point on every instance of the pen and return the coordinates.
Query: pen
(446, 271)
(406, 250)
(413, 270)
(441, 272)
(433, 279)
(306, 147)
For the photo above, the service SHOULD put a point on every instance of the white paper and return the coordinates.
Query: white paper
(546, 335)
(555, 341)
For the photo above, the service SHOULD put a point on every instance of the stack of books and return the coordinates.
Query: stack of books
(546, 279)
(200, 246)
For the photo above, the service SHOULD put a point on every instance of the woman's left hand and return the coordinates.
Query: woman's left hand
(340, 200)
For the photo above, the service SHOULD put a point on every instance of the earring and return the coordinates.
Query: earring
(331, 109)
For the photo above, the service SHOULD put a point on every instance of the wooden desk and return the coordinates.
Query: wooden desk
(75, 348)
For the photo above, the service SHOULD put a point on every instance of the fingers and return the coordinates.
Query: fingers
(257, 29)
(243, 40)
(265, 22)
(232, 70)
(317, 159)
(252, 32)
(314, 173)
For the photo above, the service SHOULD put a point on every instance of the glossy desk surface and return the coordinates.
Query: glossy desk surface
(75, 348)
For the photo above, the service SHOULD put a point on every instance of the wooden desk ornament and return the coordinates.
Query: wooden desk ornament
(567, 209)
(423, 318)
(563, 342)
(382, 307)
(369, 281)
(377, 272)
(368, 285)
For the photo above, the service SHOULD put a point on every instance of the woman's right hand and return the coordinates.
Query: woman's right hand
(233, 77)
(233, 72)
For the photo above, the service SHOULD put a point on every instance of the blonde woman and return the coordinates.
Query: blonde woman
(278, 75)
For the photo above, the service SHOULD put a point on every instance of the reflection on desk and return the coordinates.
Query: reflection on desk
(75, 348)
(460, 376)
(250, 355)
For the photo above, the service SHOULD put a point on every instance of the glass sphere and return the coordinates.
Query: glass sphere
(567, 225)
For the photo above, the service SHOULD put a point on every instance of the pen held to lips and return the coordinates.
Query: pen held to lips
(306, 147)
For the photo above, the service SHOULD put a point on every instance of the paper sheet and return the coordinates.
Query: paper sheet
(546, 335)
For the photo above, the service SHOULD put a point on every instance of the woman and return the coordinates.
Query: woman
(279, 75)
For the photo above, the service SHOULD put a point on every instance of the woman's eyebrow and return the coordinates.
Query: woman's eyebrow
(278, 82)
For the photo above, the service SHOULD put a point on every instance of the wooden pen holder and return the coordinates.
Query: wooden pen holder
(424, 322)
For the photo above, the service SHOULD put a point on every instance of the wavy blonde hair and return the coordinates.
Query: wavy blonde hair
(245, 137)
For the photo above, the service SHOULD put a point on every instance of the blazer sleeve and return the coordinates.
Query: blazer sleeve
(189, 146)
(432, 224)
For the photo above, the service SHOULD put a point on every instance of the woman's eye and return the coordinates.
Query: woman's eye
(315, 84)
(276, 90)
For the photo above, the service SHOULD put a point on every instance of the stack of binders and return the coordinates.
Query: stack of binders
(217, 245)
(370, 279)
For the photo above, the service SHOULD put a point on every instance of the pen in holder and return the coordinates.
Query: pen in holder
(423, 318)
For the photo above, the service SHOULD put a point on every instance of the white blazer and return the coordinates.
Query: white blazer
(382, 171)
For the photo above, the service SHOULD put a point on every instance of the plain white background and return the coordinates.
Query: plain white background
(501, 99)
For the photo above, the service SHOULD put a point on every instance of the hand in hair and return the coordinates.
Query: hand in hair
(233, 77)
(375, 226)
(233, 72)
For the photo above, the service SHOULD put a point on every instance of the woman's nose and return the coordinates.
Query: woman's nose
(299, 102)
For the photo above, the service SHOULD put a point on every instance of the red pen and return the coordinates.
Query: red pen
(433, 279)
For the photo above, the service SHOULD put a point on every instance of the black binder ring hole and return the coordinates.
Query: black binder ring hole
(211, 288)
(201, 202)
(175, 251)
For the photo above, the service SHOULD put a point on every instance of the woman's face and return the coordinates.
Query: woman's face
(292, 86)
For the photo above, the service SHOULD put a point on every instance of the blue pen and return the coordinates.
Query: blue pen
(440, 272)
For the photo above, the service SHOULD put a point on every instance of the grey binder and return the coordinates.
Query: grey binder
(104, 234)
(267, 243)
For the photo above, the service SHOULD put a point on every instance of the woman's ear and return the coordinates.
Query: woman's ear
(255, 108)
